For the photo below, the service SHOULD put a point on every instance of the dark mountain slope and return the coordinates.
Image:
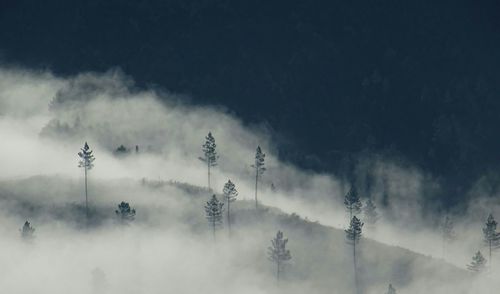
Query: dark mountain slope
(414, 79)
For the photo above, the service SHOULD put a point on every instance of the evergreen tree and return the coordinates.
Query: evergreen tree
(87, 163)
(278, 253)
(209, 154)
(353, 234)
(230, 194)
(259, 169)
(27, 231)
(391, 290)
(447, 232)
(121, 150)
(352, 202)
(125, 213)
(491, 237)
(273, 188)
(214, 213)
(370, 212)
(478, 263)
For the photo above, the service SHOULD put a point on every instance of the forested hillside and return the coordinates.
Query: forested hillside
(331, 80)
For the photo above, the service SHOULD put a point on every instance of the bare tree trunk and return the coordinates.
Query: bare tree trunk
(86, 197)
(256, 186)
(355, 268)
(277, 271)
(213, 229)
(208, 165)
(490, 252)
(228, 216)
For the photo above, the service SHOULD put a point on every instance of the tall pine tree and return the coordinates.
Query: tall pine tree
(214, 213)
(230, 193)
(87, 163)
(353, 235)
(478, 263)
(491, 237)
(278, 254)
(352, 202)
(259, 170)
(209, 154)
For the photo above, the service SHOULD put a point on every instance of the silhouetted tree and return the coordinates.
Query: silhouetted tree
(278, 253)
(370, 212)
(27, 231)
(121, 150)
(478, 263)
(209, 154)
(273, 188)
(125, 213)
(87, 163)
(491, 237)
(447, 232)
(259, 169)
(230, 194)
(391, 290)
(353, 234)
(214, 210)
(352, 202)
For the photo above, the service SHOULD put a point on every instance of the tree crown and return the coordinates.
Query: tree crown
(352, 200)
(229, 191)
(209, 151)
(125, 212)
(478, 263)
(27, 231)
(86, 157)
(214, 210)
(259, 161)
(491, 237)
(353, 233)
(277, 251)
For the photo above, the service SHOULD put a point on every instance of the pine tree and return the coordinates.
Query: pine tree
(352, 202)
(209, 154)
(478, 263)
(27, 231)
(278, 253)
(491, 237)
(370, 212)
(353, 234)
(447, 232)
(391, 290)
(125, 213)
(230, 194)
(214, 212)
(87, 163)
(259, 169)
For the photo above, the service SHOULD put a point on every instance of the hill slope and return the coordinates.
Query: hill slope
(322, 261)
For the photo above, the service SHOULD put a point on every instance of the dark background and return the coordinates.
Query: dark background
(413, 80)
